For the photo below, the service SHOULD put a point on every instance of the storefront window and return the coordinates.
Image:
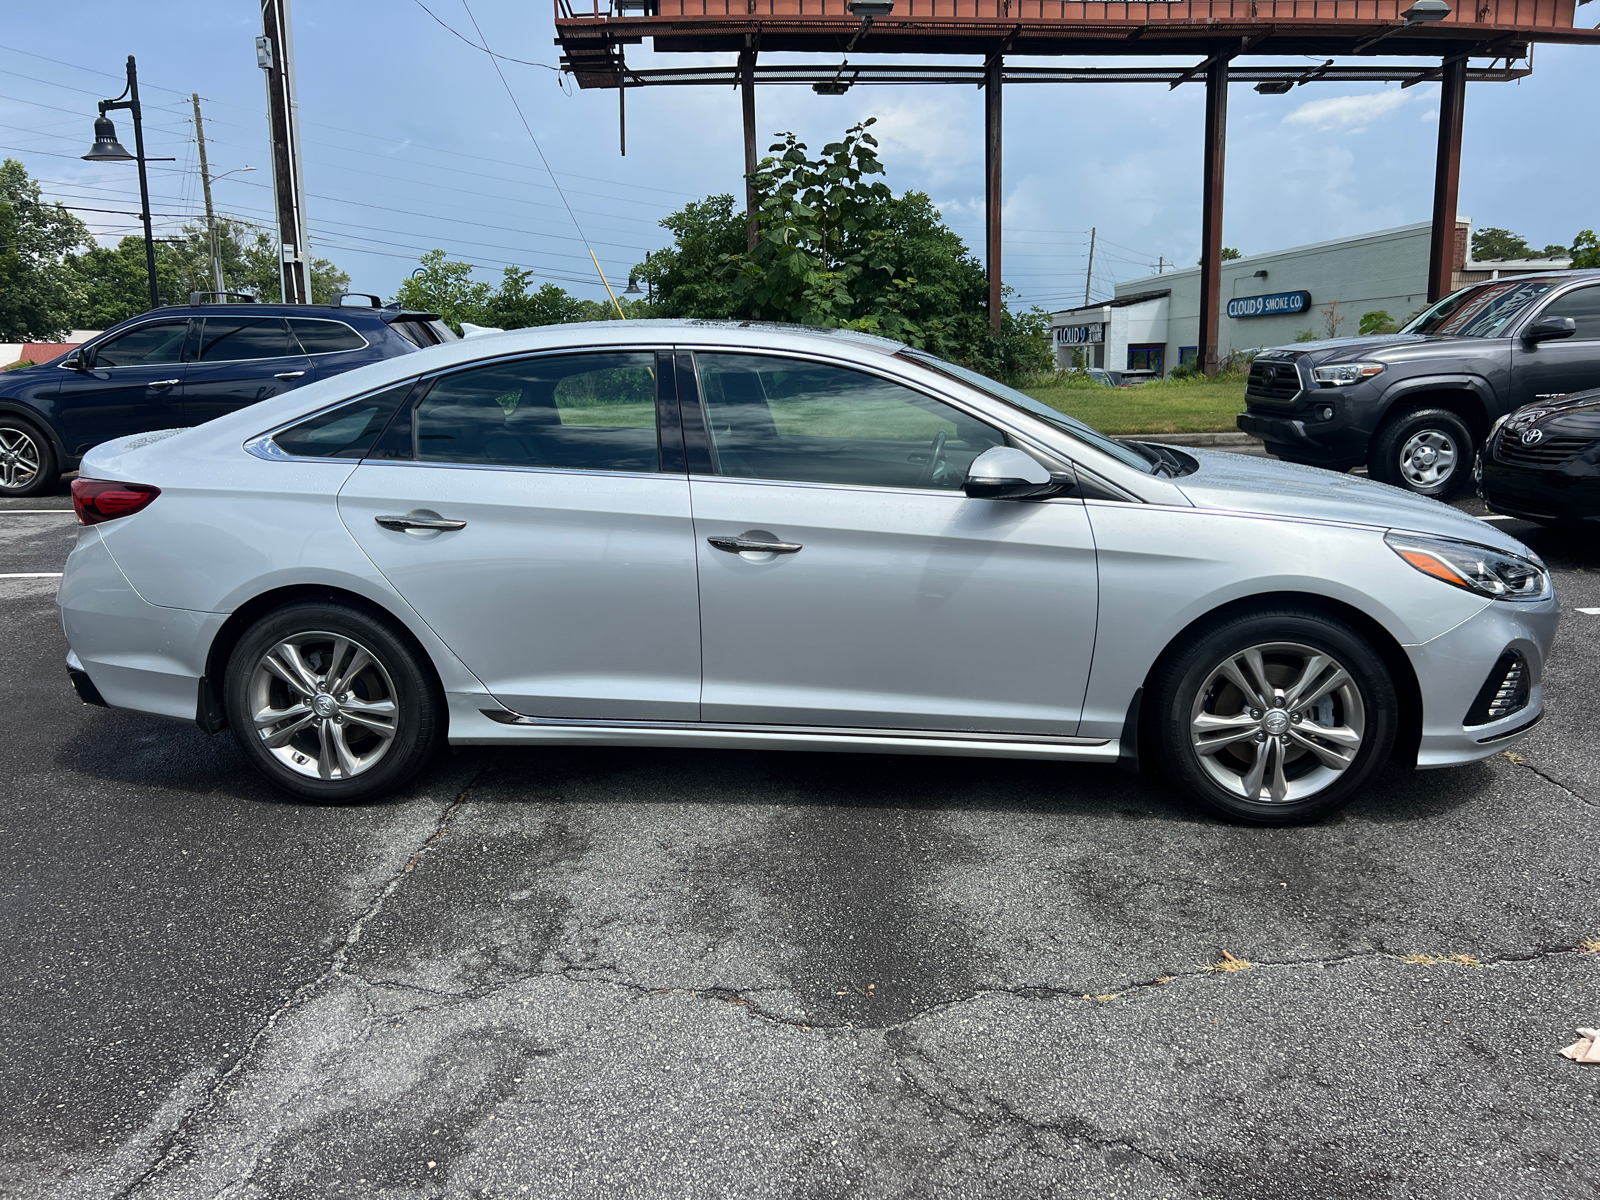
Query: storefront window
(1145, 358)
(1188, 356)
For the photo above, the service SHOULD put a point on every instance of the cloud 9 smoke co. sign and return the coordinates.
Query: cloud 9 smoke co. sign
(1279, 304)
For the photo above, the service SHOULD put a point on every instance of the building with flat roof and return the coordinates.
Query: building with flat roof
(1152, 325)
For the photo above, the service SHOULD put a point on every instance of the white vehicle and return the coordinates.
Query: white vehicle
(721, 535)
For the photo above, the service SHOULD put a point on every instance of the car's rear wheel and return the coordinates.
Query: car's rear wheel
(1274, 717)
(332, 703)
(27, 459)
(1428, 451)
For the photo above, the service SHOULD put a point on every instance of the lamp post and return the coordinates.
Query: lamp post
(106, 148)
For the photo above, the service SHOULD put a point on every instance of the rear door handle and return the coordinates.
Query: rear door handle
(744, 545)
(165, 383)
(402, 524)
(289, 375)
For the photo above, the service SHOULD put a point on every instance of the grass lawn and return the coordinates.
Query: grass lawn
(1167, 406)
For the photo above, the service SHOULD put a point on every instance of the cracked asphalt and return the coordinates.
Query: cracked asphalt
(643, 973)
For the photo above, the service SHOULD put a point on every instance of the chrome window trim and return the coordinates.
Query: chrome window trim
(463, 466)
(1581, 285)
(262, 444)
(955, 494)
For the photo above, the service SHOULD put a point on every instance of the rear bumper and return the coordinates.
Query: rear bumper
(128, 652)
(1451, 670)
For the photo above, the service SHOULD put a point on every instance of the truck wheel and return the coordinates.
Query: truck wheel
(1428, 451)
(27, 460)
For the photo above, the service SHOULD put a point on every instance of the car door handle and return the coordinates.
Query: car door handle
(402, 524)
(289, 375)
(744, 545)
(165, 383)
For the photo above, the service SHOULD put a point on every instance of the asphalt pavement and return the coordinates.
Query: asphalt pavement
(643, 973)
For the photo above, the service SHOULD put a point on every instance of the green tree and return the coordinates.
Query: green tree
(838, 249)
(1585, 251)
(515, 306)
(1377, 321)
(260, 272)
(39, 291)
(114, 282)
(446, 287)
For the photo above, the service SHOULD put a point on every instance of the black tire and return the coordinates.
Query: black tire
(1398, 453)
(308, 763)
(1187, 688)
(20, 439)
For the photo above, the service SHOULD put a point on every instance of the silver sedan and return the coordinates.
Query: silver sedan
(717, 535)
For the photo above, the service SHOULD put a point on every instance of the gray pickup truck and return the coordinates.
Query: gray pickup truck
(1416, 405)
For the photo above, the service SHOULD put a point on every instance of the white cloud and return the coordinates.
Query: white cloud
(1349, 112)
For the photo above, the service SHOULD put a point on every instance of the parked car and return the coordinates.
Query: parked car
(1542, 462)
(183, 365)
(1415, 406)
(701, 534)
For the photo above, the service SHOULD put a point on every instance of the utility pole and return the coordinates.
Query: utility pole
(1088, 276)
(1161, 264)
(205, 183)
(747, 99)
(275, 56)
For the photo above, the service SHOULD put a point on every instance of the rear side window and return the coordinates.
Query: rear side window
(158, 342)
(423, 333)
(325, 337)
(344, 432)
(236, 339)
(1583, 306)
(594, 412)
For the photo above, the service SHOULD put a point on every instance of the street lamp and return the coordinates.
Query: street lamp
(106, 148)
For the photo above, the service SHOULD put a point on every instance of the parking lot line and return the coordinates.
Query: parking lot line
(35, 575)
(35, 511)
(1590, 612)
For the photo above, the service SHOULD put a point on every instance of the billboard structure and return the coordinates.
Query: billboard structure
(1219, 34)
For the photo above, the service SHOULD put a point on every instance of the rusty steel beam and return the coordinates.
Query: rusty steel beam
(747, 99)
(1447, 181)
(1216, 145)
(993, 87)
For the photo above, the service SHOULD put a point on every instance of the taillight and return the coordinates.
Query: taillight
(98, 500)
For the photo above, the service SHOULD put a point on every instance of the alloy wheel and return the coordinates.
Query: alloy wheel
(1428, 458)
(323, 705)
(1277, 722)
(20, 458)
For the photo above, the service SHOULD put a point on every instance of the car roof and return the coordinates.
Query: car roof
(324, 312)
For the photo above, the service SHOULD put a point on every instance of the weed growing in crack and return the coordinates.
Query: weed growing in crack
(1228, 963)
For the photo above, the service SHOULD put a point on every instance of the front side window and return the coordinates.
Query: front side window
(791, 419)
(1583, 306)
(594, 412)
(348, 431)
(240, 339)
(157, 343)
(325, 337)
(1483, 311)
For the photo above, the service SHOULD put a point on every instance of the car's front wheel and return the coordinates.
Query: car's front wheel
(1274, 717)
(331, 703)
(27, 460)
(1428, 451)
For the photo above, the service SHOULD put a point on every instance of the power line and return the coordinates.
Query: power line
(475, 45)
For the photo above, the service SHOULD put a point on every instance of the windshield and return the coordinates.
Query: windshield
(1038, 408)
(1483, 311)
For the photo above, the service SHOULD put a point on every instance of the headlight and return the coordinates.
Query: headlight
(1344, 374)
(1474, 568)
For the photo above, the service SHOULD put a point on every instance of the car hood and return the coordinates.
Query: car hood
(1244, 483)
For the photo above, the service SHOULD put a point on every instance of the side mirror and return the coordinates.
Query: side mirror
(1005, 473)
(75, 362)
(1547, 329)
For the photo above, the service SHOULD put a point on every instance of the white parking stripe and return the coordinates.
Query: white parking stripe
(57, 575)
(1590, 612)
(38, 511)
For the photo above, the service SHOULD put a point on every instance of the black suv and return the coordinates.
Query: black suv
(1415, 406)
(182, 365)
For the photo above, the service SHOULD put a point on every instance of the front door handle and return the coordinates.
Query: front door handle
(165, 383)
(747, 545)
(409, 522)
(289, 375)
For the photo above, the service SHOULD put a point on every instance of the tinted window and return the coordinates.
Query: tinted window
(1482, 311)
(592, 412)
(784, 418)
(233, 339)
(159, 342)
(325, 337)
(414, 332)
(344, 432)
(1583, 306)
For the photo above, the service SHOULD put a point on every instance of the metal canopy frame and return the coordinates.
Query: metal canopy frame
(594, 34)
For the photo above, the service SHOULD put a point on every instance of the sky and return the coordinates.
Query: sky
(411, 142)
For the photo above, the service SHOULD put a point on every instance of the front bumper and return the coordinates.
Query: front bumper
(1451, 670)
(1303, 438)
(1536, 495)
